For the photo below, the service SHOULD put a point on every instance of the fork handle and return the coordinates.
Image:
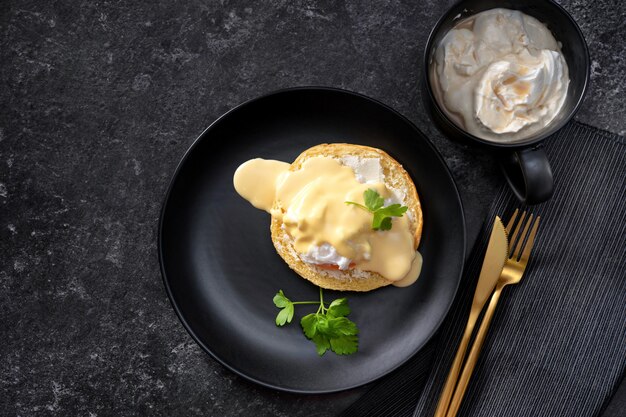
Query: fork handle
(451, 380)
(472, 358)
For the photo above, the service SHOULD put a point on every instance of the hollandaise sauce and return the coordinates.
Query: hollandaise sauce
(311, 205)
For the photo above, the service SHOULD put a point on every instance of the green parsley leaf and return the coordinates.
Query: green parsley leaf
(342, 326)
(323, 325)
(280, 300)
(395, 210)
(385, 224)
(345, 345)
(309, 325)
(315, 327)
(381, 222)
(322, 343)
(286, 314)
(338, 308)
(382, 215)
(373, 200)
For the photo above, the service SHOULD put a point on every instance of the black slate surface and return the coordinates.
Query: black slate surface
(99, 101)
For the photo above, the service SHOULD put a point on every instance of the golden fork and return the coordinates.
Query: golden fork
(511, 274)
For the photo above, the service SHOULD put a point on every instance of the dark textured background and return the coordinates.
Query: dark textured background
(99, 100)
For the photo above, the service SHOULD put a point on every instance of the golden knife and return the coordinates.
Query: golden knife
(512, 273)
(495, 257)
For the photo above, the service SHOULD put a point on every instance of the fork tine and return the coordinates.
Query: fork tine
(520, 242)
(531, 241)
(511, 222)
(513, 237)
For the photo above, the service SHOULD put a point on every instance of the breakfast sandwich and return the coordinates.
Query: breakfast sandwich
(343, 216)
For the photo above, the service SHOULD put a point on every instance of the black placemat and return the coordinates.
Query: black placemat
(557, 343)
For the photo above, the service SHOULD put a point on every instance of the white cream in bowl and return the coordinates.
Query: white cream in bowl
(500, 75)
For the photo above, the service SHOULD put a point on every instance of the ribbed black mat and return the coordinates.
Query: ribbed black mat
(557, 343)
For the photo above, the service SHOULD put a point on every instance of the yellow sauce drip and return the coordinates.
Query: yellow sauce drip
(255, 181)
(310, 202)
(414, 272)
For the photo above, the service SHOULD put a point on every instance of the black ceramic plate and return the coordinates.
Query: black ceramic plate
(221, 270)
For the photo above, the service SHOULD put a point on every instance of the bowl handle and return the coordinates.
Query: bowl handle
(529, 174)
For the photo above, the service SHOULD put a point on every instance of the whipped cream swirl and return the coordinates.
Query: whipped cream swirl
(500, 74)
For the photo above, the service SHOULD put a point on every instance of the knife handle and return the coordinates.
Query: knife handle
(451, 380)
(472, 358)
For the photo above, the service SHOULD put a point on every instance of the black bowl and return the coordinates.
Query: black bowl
(564, 29)
(530, 183)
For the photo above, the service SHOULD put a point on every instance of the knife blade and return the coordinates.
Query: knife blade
(495, 257)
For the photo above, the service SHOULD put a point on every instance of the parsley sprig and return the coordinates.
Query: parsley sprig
(328, 328)
(382, 215)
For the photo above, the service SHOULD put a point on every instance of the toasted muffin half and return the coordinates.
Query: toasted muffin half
(395, 177)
